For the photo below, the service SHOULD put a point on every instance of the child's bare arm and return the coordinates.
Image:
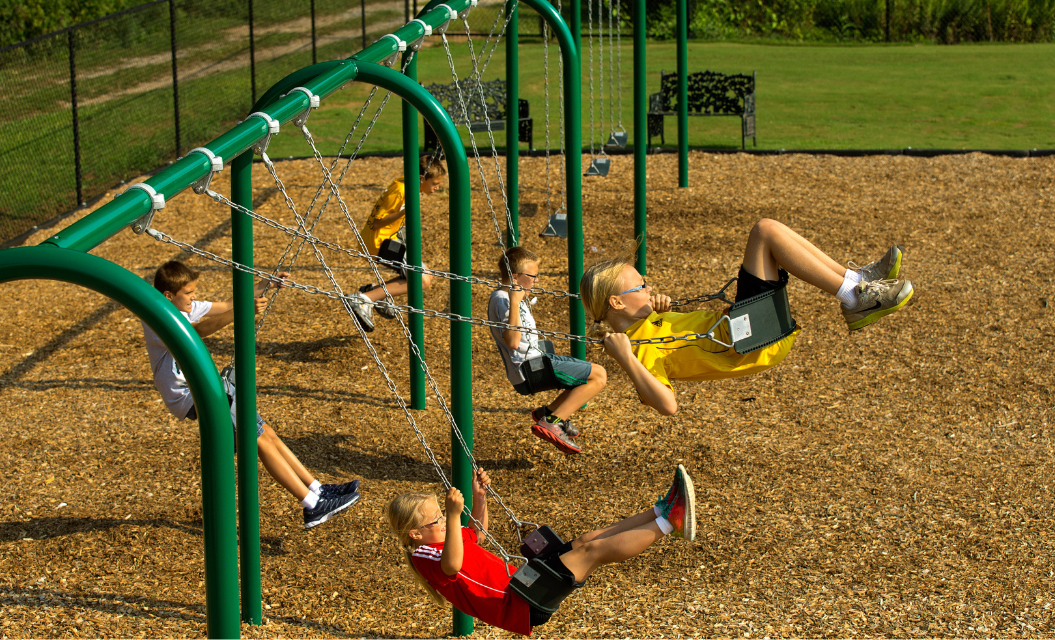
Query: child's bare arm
(512, 336)
(480, 483)
(453, 552)
(221, 314)
(650, 391)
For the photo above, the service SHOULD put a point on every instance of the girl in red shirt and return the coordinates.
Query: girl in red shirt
(449, 564)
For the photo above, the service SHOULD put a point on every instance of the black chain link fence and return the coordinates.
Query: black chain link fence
(87, 107)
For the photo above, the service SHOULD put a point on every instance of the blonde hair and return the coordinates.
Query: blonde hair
(404, 514)
(517, 257)
(600, 282)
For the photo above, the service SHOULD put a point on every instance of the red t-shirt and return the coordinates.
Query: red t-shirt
(480, 589)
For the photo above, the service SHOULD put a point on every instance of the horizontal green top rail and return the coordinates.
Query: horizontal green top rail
(111, 218)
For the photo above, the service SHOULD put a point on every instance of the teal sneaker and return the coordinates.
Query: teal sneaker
(679, 505)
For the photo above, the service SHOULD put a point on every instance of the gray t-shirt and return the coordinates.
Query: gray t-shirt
(169, 380)
(498, 311)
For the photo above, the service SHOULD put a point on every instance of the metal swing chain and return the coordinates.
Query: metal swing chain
(545, 88)
(560, 99)
(589, 32)
(619, 58)
(311, 207)
(336, 247)
(472, 140)
(321, 210)
(611, 69)
(414, 348)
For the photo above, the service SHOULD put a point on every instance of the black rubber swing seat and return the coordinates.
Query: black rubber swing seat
(758, 321)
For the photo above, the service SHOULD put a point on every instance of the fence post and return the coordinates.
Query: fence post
(76, 124)
(252, 53)
(175, 75)
(362, 13)
(314, 55)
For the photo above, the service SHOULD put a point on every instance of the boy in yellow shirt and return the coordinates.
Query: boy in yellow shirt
(614, 292)
(386, 223)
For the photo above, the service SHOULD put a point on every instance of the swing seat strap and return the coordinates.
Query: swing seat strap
(761, 320)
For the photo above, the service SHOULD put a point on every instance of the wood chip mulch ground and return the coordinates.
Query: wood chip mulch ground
(893, 482)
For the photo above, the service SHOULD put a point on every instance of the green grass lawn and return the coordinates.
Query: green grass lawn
(809, 97)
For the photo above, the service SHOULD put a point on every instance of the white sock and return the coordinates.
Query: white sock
(848, 290)
(315, 487)
(310, 500)
(665, 526)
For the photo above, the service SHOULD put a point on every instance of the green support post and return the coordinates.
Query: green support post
(415, 293)
(48, 262)
(245, 389)
(683, 93)
(461, 394)
(568, 39)
(640, 138)
(513, 123)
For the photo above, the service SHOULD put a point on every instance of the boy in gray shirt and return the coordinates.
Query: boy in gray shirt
(528, 368)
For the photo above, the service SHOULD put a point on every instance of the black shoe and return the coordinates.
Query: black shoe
(327, 508)
(335, 490)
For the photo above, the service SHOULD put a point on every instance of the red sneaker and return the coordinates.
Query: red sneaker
(553, 434)
(679, 505)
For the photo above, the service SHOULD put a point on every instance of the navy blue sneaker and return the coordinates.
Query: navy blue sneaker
(326, 508)
(334, 490)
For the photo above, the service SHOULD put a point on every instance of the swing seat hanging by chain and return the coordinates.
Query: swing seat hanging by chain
(542, 582)
(618, 138)
(557, 227)
(599, 166)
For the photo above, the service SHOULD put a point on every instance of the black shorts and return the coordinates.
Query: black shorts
(749, 285)
(538, 616)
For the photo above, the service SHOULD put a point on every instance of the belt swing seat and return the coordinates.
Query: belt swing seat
(537, 581)
(756, 322)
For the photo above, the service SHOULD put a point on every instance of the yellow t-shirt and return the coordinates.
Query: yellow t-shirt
(391, 200)
(699, 359)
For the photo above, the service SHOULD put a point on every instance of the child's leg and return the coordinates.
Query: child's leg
(273, 455)
(616, 543)
(570, 400)
(772, 245)
(396, 286)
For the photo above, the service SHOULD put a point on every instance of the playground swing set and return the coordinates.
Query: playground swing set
(753, 323)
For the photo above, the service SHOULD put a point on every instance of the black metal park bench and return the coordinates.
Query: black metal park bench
(710, 94)
(494, 92)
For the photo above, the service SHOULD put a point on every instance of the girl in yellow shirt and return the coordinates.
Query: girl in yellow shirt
(614, 292)
(385, 222)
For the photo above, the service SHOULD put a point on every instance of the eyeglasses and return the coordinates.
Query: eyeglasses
(533, 277)
(637, 288)
(435, 522)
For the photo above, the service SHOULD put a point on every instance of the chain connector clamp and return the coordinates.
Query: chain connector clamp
(272, 128)
(201, 185)
(415, 45)
(157, 202)
(313, 103)
(464, 14)
(451, 15)
(401, 46)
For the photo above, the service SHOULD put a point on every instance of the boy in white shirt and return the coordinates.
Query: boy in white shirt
(527, 366)
(178, 282)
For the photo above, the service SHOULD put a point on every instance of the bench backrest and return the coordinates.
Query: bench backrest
(494, 97)
(710, 92)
